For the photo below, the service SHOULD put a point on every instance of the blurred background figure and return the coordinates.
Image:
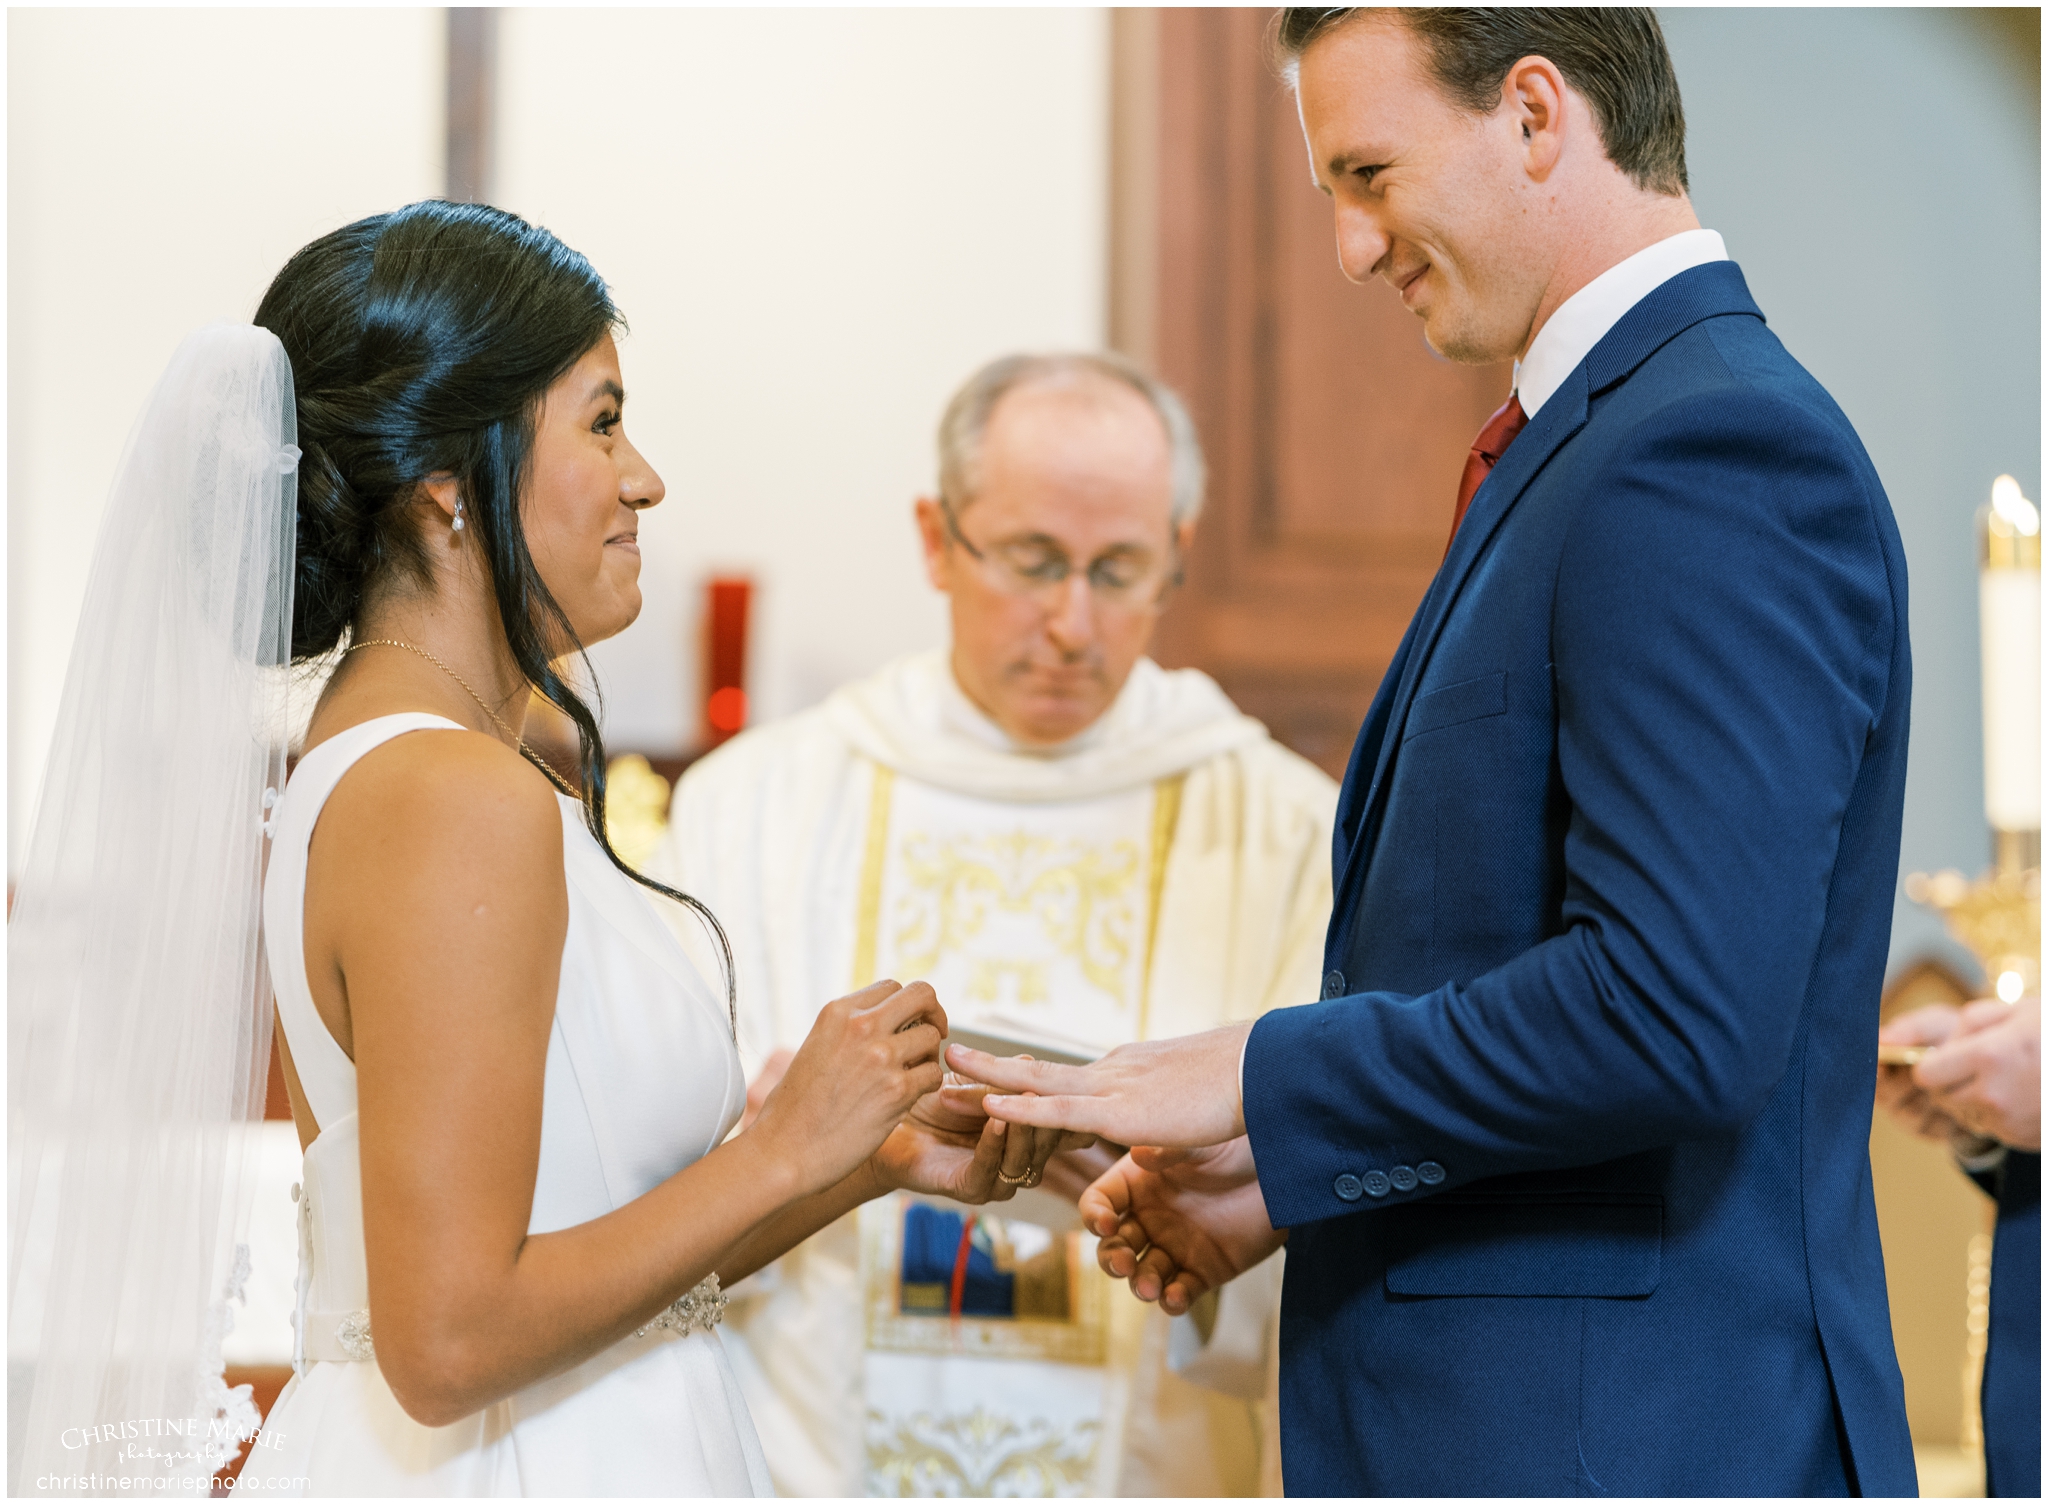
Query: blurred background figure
(1978, 1092)
(1078, 849)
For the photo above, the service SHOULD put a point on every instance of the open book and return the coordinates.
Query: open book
(1001, 1036)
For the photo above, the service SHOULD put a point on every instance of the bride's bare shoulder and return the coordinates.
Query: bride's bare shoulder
(460, 795)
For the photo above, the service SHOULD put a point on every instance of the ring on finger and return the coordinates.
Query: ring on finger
(1027, 1179)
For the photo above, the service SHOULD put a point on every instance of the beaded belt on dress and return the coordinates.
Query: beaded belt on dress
(697, 1310)
(344, 1337)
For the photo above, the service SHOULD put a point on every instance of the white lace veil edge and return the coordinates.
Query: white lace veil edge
(139, 1006)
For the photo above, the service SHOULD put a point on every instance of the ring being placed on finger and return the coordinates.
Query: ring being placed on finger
(1027, 1179)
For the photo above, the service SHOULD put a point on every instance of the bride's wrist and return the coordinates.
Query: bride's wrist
(774, 1166)
(879, 1175)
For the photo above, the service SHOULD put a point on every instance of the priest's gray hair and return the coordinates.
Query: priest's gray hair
(966, 421)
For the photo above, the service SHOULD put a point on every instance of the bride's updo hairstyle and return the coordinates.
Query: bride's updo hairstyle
(422, 342)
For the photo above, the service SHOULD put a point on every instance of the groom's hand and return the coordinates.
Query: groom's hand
(958, 1108)
(1182, 1093)
(1178, 1223)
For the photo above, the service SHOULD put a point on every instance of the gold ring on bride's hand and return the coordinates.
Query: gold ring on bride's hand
(1008, 1180)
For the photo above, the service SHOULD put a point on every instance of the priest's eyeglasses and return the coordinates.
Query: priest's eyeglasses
(1039, 568)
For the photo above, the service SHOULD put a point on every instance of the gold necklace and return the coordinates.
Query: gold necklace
(528, 753)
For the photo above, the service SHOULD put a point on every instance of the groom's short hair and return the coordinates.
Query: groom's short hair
(1614, 56)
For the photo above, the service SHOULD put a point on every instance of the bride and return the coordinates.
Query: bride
(513, 1088)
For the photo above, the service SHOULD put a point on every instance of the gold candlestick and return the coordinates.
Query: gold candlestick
(1998, 917)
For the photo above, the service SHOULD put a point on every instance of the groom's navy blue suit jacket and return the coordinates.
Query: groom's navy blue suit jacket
(1574, 1152)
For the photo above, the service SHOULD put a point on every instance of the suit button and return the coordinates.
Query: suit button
(1333, 985)
(1348, 1188)
(1403, 1177)
(1429, 1173)
(1377, 1184)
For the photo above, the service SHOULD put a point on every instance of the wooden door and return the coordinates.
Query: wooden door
(1335, 436)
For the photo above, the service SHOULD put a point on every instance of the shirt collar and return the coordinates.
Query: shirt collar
(1584, 318)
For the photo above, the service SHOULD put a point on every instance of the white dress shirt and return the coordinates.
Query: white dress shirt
(1584, 318)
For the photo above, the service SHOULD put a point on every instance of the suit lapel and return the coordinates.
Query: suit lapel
(1365, 748)
(1560, 418)
(1704, 292)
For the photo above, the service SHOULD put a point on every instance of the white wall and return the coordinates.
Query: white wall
(1877, 175)
(161, 166)
(817, 223)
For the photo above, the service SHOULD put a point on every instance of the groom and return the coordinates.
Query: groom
(1571, 1161)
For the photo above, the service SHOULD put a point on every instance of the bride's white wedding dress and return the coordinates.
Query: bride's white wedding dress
(642, 1079)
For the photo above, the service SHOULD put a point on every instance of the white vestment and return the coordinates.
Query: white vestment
(1165, 872)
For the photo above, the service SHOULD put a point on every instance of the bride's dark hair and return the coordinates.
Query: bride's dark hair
(421, 343)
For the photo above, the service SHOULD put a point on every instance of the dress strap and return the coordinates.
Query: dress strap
(326, 1075)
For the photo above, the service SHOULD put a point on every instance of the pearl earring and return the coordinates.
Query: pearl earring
(458, 515)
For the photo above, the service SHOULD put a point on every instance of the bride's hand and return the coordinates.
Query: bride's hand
(958, 1107)
(868, 1059)
(949, 1147)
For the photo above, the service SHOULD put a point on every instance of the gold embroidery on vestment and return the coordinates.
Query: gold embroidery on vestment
(873, 866)
(1165, 820)
(978, 1455)
(986, 975)
(1080, 895)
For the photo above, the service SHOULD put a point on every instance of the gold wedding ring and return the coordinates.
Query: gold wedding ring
(1010, 1180)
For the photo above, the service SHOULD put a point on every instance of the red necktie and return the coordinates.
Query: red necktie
(1492, 443)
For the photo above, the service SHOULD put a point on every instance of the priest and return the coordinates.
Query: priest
(1078, 849)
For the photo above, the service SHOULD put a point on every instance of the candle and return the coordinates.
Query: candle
(2009, 601)
(726, 599)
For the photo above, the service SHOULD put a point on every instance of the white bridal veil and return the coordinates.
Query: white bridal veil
(138, 1034)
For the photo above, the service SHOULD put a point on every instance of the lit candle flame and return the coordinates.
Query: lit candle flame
(2010, 504)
